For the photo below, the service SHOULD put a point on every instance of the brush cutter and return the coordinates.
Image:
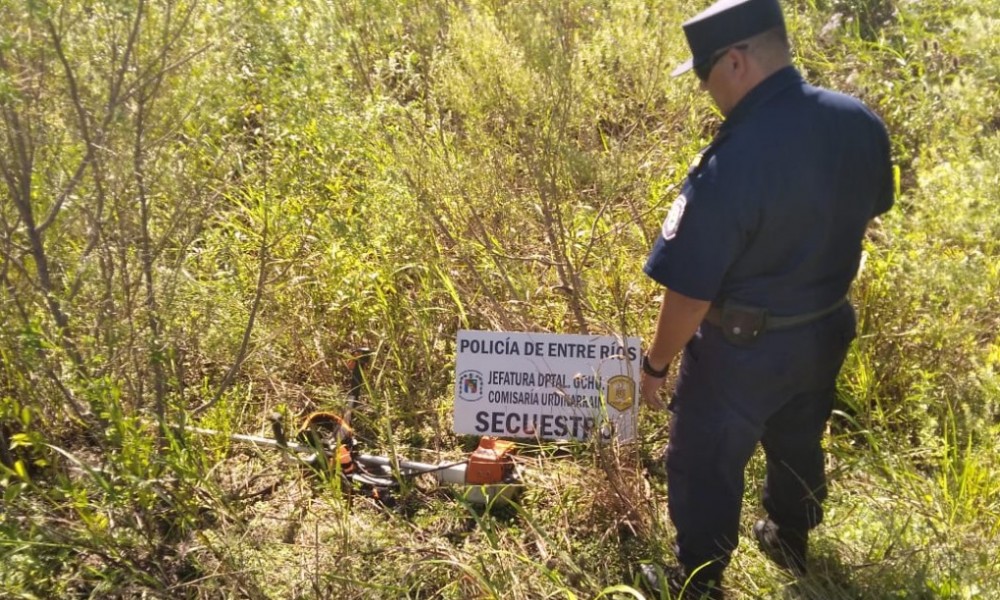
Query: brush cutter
(327, 442)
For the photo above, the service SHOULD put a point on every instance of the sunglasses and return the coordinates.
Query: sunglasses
(704, 68)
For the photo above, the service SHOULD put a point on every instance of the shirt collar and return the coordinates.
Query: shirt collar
(765, 90)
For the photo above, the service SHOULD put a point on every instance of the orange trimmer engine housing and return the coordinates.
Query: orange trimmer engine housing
(332, 434)
(492, 462)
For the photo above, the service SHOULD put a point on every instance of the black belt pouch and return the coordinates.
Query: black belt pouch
(741, 324)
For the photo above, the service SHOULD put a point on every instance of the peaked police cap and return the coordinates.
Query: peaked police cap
(725, 23)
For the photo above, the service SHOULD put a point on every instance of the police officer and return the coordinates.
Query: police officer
(757, 254)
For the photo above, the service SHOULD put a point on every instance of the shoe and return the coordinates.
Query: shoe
(785, 547)
(655, 579)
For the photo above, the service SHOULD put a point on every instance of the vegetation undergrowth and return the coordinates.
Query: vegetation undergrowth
(208, 207)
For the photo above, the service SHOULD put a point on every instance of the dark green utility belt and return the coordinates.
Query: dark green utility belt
(742, 324)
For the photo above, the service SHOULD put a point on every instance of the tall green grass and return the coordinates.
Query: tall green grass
(320, 177)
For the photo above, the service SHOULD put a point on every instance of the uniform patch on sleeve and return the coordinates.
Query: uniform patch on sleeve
(673, 220)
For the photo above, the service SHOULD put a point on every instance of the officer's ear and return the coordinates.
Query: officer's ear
(737, 61)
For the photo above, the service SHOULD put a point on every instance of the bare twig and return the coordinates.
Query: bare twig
(241, 354)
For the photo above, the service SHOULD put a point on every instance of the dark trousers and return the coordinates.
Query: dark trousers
(778, 391)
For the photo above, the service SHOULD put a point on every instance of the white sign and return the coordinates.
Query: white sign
(546, 386)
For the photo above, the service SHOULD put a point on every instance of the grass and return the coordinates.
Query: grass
(321, 177)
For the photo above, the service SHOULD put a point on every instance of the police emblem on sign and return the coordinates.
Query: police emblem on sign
(470, 386)
(621, 392)
(673, 220)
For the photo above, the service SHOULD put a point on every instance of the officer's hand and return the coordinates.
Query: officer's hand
(649, 389)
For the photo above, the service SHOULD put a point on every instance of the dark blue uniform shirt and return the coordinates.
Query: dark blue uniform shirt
(774, 212)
